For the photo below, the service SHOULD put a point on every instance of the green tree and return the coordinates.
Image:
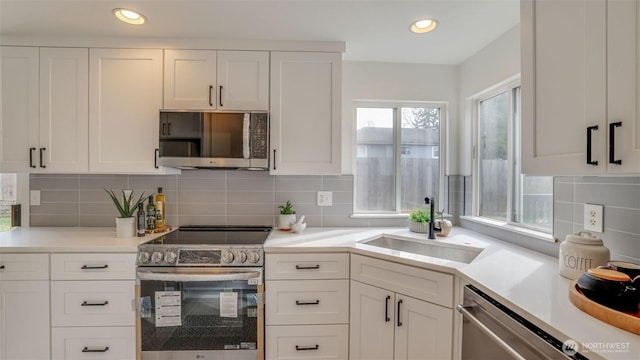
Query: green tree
(420, 118)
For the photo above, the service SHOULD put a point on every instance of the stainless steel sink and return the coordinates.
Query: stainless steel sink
(459, 253)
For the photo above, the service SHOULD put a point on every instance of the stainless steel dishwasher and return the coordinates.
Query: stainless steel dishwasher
(492, 331)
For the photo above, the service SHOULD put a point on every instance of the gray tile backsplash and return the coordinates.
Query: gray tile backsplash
(199, 197)
(620, 197)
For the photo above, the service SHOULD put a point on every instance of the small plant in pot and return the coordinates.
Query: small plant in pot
(125, 222)
(419, 220)
(287, 216)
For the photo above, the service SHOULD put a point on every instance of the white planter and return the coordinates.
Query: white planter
(284, 221)
(125, 227)
(422, 228)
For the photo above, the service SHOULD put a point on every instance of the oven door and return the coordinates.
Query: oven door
(200, 313)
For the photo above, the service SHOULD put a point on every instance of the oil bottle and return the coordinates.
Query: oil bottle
(160, 206)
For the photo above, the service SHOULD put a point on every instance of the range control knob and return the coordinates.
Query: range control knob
(157, 257)
(144, 257)
(242, 257)
(254, 257)
(170, 257)
(227, 257)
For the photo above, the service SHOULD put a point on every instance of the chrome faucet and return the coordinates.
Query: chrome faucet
(432, 224)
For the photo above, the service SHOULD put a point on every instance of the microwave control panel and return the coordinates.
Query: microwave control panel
(259, 135)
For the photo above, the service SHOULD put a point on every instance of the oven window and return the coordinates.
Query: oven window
(220, 315)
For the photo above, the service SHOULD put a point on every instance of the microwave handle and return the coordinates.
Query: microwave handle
(245, 135)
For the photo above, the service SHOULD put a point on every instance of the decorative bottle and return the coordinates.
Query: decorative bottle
(151, 214)
(160, 206)
(141, 220)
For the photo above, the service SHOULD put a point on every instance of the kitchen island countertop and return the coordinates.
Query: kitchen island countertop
(522, 279)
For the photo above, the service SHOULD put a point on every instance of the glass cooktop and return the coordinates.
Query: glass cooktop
(215, 235)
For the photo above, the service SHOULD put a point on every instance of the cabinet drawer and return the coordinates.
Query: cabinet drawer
(420, 283)
(104, 343)
(307, 302)
(24, 266)
(93, 266)
(92, 303)
(306, 266)
(307, 342)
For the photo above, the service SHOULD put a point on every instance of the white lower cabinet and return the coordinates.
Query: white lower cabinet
(307, 306)
(308, 342)
(92, 316)
(105, 343)
(386, 324)
(24, 307)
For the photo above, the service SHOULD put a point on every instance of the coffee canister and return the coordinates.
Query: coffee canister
(581, 251)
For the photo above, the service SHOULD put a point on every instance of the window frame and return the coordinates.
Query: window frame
(513, 158)
(396, 106)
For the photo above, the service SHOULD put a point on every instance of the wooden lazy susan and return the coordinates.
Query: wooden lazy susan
(623, 320)
(158, 230)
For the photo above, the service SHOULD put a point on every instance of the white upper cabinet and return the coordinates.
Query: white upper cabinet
(19, 107)
(623, 79)
(223, 80)
(125, 98)
(44, 109)
(305, 113)
(64, 110)
(579, 87)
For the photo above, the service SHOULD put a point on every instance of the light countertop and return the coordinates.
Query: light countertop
(66, 239)
(522, 279)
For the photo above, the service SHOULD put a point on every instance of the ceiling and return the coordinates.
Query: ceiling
(373, 30)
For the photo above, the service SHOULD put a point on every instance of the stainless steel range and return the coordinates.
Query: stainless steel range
(200, 294)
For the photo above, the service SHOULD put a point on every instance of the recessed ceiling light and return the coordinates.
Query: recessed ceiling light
(129, 16)
(424, 26)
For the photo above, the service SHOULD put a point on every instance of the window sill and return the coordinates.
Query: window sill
(379, 216)
(511, 228)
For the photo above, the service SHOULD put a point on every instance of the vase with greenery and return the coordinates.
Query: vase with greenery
(126, 205)
(419, 220)
(287, 216)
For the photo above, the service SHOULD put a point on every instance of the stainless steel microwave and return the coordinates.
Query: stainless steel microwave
(232, 140)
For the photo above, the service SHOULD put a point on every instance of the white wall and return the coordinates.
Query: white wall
(393, 81)
(498, 61)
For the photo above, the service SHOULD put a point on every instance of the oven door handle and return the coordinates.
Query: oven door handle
(197, 276)
(467, 314)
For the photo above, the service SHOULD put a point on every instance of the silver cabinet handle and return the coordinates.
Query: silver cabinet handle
(463, 310)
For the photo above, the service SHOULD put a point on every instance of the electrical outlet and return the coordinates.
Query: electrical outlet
(593, 216)
(34, 197)
(325, 198)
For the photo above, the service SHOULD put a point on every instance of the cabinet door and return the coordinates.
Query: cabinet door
(125, 87)
(243, 80)
(80, 343)
(64, 110)
(24, 320)
(563, 86)
(305, 113)
(371, 323)
(423, 330)
(190, 79)
(18, 107)
(623, 95)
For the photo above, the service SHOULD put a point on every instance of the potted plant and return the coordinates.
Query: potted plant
(419, 220)
(287, 216)
(125, 222)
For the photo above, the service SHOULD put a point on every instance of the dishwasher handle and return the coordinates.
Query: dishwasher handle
(463, 309)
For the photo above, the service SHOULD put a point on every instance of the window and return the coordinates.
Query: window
(397, 156)
(8, 197)
(504, 194)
